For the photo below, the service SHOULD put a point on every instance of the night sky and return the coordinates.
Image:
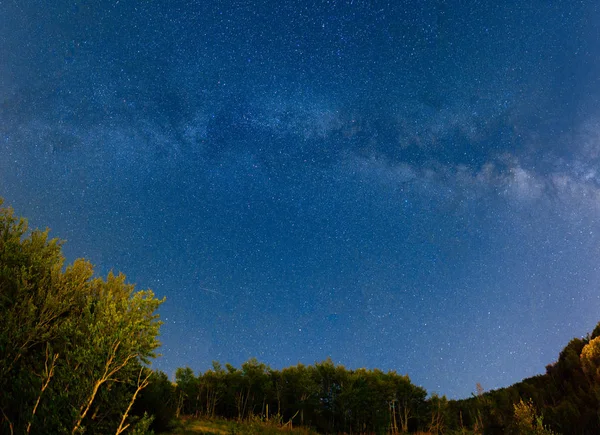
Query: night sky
(398, 185)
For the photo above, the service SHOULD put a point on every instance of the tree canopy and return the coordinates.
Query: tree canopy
(74, 348)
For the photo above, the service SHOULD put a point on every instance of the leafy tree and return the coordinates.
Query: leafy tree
(187, 391)
(590, 360)
(212, 389)
(118, 329)
(301, 390)
(527, 421)
(71, 346)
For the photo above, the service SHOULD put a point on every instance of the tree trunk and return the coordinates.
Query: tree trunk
(86, 407)
(49, 372)
(141, 384)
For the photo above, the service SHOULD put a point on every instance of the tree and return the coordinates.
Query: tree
(590, 360)
(527, 421)
(187, 391)
(120, 326)
(71, 346)
(410, 399)
(438, 407)
(300, 390)
(211, 388)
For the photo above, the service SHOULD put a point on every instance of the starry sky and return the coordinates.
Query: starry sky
(399, 185)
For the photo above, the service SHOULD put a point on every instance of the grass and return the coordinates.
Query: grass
(202, 426)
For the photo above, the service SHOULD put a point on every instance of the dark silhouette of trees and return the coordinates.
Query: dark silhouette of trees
(332, 399)
(563, 400)
(159, 400)
(324, 396)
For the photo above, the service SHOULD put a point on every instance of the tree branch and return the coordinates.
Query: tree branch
(48, 372)
(141, 384)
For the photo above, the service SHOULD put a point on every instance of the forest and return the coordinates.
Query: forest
(76, 352)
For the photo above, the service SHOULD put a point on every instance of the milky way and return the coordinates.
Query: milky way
(411, 187)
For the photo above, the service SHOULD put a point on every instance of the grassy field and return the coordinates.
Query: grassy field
(191, 426)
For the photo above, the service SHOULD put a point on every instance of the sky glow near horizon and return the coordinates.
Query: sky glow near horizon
(408, 187)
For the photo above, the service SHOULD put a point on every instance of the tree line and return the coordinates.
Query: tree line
(566, 398)
(332, 399)
(324, 396)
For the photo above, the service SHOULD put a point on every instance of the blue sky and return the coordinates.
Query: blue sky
(403, 186)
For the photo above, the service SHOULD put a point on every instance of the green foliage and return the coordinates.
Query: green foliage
(568, 394)
(159, 400)
(187, 391)
(143, 426)
(590, 360)
(438, 414)
(527, 421)
(326, 397)
(332, 399)
(71, 345)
